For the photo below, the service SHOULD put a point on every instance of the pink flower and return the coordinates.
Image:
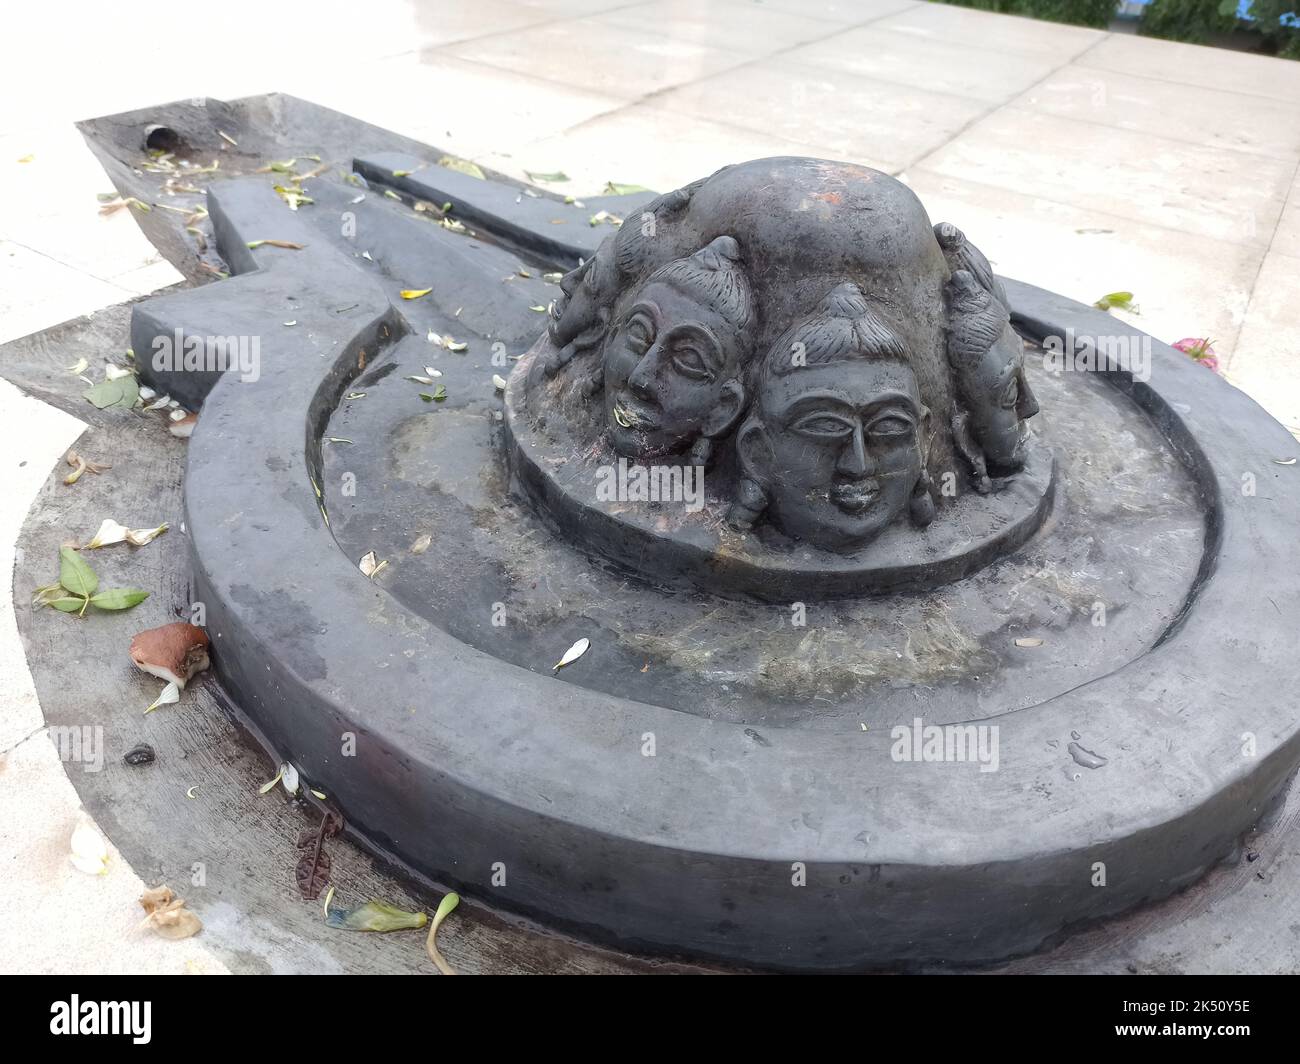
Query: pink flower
(1200, 350)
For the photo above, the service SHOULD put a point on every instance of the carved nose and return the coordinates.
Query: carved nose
(641, 382)
(853, 455)
(1027, 406)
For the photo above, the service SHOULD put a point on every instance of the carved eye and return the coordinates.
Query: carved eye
(822, 426)
(1011, 394)
(689, 361)
(890, 427)
(640, 333)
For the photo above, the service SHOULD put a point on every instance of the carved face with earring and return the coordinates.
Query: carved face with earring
(993, 397)
(987, 359)
(835, 446)
(674, 362)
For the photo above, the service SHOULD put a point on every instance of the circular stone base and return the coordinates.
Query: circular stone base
(716, 776)
(667, 519)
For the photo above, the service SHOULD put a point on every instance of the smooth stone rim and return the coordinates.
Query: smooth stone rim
(464, 762)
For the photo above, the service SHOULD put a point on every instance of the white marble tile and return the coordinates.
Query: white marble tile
(1212, 192)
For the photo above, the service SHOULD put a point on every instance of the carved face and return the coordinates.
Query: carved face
(580, 312)
(837, 448)
(999, 401)
(672, 373)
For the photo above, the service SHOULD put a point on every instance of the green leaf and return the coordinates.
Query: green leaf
(67, 604)
(118, 598)
(1122, 300)
(616, 189)
(462, 166)
(559, 175)
(75, 574)
(375, 915)
(124, 391)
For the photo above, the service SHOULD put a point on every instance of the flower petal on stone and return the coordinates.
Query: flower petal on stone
(170, 694)
(572, 654)
(89, 850)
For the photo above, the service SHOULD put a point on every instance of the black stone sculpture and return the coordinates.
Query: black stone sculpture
(742, 769)
(800, 326)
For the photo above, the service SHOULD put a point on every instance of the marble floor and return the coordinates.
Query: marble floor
(1083, 161)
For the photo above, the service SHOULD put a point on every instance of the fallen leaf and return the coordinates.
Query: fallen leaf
(614, 188)
(288, 244)
(462, 166)
(370, 565)
(120, 391)
(415, 293)
(269, 785)
(1284, 461)
(375, 915)
(1118, 300)
(1029, 642)
(558, 175)
(118, 598)
(79, 368)
(166, 914)
(289, 780)
(498, 382)
(422, 544)
(312, 873)
(572, 654)
(313, 868)
(75, 574)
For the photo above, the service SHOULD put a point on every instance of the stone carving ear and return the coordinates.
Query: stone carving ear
(970, 450)
(723, 417)
(921, 505)
(754, 458)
